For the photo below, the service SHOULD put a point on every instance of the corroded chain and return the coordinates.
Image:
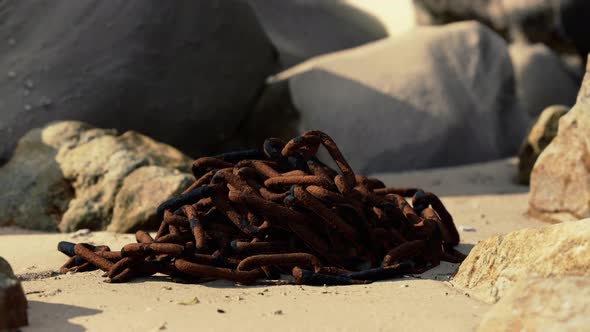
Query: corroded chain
(253, 216)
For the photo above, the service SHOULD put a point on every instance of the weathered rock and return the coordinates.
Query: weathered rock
(13, 303)
(315, 27)
(68, 174)
(447, 99)
(97, 169)
(34, 192)
(560, 180)
(542, 304)
(496, 264)
(141, 193)
(539, 136)
(183, 72)
(541, 78)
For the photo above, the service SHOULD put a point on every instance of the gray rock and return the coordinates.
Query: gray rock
(183, 72)
(539, 136)
(542, 304)
(541, 78)
(494, 265)
(13, 303)
(560, 180)
(141, 193)
(314, 27)
(436, 96)
(68, 175)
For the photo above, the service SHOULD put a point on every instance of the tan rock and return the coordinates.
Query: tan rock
(97, 169)
(542, 304)
(13, 304)
(495, 264)
(539, 136)
(142, 192)
(68, 173)
(560, 180)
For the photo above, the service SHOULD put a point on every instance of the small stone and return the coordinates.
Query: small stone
(278, 312)
(11, 74)
(220, 311)
(80, 233)
(467, 228)
(28, 107)
(194, 300)
(29, 84)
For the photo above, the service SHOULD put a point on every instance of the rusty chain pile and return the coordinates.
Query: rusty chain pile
(253, 216)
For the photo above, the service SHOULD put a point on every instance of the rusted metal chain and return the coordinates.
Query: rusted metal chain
(254, 215)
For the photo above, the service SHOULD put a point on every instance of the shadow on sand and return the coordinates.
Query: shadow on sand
(56, 317)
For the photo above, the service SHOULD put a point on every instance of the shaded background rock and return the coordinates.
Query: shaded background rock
(447, 98)
(541, 78)
(141, 193)
(539, 136)
(168, 69)
(68, 174)
(301, 29)
(494, 265)
(542, 304)
(489, 12)
(560, 180)
(13, 303)
(560, 24)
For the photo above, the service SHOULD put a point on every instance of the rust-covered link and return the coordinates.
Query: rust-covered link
(252, 216)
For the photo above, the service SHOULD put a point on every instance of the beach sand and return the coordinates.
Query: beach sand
(482, 198)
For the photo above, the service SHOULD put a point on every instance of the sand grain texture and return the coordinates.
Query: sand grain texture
(481, 198)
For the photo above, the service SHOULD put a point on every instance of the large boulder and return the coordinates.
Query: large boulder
(68, 174)
(537, 139)
(303, 29)
(13, 303)
(560, 180)
(496, 264)
(542, 304)
(435, 96)
(141, 193)
(541, 78)
(184, 72)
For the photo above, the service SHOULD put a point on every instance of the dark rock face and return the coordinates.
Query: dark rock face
(184, 72)
(575, 15)
(13, 303)
(301, 29)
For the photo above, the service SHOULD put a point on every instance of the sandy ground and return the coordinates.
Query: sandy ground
(481, 197)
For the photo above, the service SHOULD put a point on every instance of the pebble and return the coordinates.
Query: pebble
(467, 228)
